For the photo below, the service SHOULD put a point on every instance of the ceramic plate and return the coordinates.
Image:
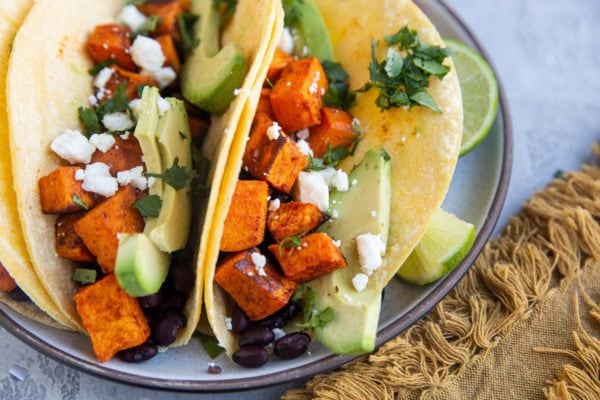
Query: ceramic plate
(476, 195)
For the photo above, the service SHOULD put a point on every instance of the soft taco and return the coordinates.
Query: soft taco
(332, 178)
(114, 199)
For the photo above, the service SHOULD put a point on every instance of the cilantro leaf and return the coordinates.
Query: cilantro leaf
(424, 99)
(315, 164)
(176, 176)
(149, 206)
(338, 93)
(186, 23)
(394, 63)
(210, 344)
(149, 26)
(290, 243)
(119, 102)
(333, 157)
(100, 66)
(385, 155)
(89, 119)
(79, 202)
(313, 318)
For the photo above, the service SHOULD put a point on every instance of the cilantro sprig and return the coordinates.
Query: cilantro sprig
(403, 77)
(186, 23)
(314, 318)
(77, 200)
(149, 206)
(338, 93)
(175, 176)
(331, 158)
(149, 26)
(290, 243)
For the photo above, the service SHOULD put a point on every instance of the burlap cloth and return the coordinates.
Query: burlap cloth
(523, 324)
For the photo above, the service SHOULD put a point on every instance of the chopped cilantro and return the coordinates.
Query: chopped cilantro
(99, 67)
(79, 202)
(338, 93)
(315, 164)
(119, 102)
(290, 242)
(89, 119)
(149, 206)
(313, 318)
(149, 26)
(210, 344)
(85, 275)
(403, 76)
(333, 157)
(176, 176)
(186, 23)
(385, 155)
(201, 169)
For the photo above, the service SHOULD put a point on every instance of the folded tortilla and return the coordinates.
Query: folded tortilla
(423, 145)
(48, 80)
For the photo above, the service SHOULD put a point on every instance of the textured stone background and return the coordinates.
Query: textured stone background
(547, 53)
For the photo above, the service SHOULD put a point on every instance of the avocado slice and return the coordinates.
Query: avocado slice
(309, 30)
(140, 267)
(145, 133)
(170, 230)
(210, 76)
(364, 208)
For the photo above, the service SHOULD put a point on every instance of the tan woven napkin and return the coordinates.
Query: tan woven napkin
(523, 324)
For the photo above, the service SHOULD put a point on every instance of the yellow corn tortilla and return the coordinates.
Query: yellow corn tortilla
(13, 252)
(48, 81)
(423, 145)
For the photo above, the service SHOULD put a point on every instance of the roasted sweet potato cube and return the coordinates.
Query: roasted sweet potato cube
(335, 130)
(111, 42)
(124, 155)
(280, 62)
(170, 52)
(100, 227)
(317, 255)
(68, 244)
(131, 79)
(264, 104)
(59, 191)
(260, 292)
(150, 6)
(294, 218)
(168, 24)
(113, 319)
(297, 97)
(277, 161)
(7, 283)
(245, 223)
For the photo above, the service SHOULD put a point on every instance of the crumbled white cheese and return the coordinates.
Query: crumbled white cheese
(305, 51)
(132, 17)
(117, 122)
(98, 180)
(274, 205)
(354, 182)
(327, 174)
(360, 282)
(163, 106)
(133, 177)
(273, 132)
(335, 214)
(79, 175)
(125, 136)
(259, 262)
(93, 100)
(337, 243)
(228, 323)
(147, 53)
(339, 181)
(304, 147)
(73, 147)
(103, 142)
(373, 213)
(312, 188)
(135, 105)
(286, 43)
(164, 76)
(370, 249)
(151, 181)
(278, 333)
(347, 298)
(304, 134)
(103, 77)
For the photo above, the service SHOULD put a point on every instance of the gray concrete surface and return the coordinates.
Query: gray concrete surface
(547, 53)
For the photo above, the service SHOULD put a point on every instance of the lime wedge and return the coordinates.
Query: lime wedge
(447, 241)
(479, 92)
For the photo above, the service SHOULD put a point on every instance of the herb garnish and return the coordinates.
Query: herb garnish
(79, 202)
(210, 344)
(149, 26)
(186, 22)
(313, 318)
(85, 275)
(175, 176)
(89, 119)
(100, 66)
(403, 76)
(201, 170)
(333, 157)
(315, 164)
(290, 243)
(385, 155)
(338, 94)
(118, 103)
(149, 206)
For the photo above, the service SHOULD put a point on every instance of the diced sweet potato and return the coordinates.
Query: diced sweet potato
(111, 42)
(335, 130)
(316, 256)
(264, 104)
(245, 223)
(132, 79)
(297, 97)
(113, 319)
(7, 283)
(170, 52)
(277, 161)
(280, 62)
(294, 218)
(124, 155)
(100, 227)
(59, 190)
(260, 292)
(168, 24)
(150, 6)
(68, 244)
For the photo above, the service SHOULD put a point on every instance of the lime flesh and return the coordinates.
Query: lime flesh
(447, 241)
(479, 93)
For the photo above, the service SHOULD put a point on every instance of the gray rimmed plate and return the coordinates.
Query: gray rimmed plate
(477, 194)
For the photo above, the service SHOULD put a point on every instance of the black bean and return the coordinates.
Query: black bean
(172, 301)
(251, 356)
(290, 310)
(151, 301)
(214, 369)
(239, 321)
(164, 328)
(181, 279)
(257, 335)
(18, 295)
(291, 345)
(281, 317)
(140, 353)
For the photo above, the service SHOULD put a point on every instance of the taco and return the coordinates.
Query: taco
(333, 180)
(112, 195)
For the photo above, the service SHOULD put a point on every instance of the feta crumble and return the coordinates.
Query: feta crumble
(133, 177)
(360, 282)
(312, 188)
(93, 100)
(98, 180)
(132, 17)
(135, 106)
(73, 147)
(370, 249)
(274, 205)
(147, 53)
(337, 243)
(259, 262)
(335, 214)
(304, 147)
(273, 132)
(103, 77)
(117, 122)
(303, 134)
(278, 333)
(373, 213)
(164, 76)
(327, 174)
(339, 181)
(347, 298)
(102, 142)
(151, 181)
(354, 182)
(286, 43)
(79, 175)
(228, 323)
(163, 106)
